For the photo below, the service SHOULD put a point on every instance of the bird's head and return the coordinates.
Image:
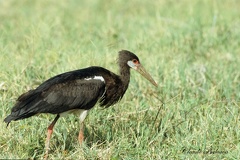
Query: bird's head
(133, 62)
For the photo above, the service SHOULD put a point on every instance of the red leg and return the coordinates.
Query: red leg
(49, 133)
(81, 133)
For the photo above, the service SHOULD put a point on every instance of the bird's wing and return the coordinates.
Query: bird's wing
(60, 97)
(77, 94)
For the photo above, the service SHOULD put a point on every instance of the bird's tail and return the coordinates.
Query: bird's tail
(8, 119)
(24, 107)
(11, 117)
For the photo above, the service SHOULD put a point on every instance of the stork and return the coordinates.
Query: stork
(77, 92)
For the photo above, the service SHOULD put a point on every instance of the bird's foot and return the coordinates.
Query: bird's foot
(45, 155)
(47, 150)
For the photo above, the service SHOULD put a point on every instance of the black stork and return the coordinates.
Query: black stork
(77, 92)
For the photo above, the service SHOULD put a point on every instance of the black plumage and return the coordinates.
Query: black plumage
(62, 93)
(78, 90)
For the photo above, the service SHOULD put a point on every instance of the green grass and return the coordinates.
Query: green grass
(191, 48)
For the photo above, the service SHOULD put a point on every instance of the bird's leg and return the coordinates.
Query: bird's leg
(49, 133)
(81, 133)
(83, 114)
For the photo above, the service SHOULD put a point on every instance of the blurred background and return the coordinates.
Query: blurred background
(191, 48)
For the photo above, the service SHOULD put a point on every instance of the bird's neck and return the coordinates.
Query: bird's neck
(124, 74)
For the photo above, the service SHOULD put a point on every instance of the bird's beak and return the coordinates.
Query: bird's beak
(145, 74)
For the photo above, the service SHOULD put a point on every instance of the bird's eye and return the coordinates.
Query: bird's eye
(135, 61)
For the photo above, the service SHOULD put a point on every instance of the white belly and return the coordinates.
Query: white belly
(81, 112)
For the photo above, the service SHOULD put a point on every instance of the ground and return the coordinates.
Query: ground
(191, 48)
